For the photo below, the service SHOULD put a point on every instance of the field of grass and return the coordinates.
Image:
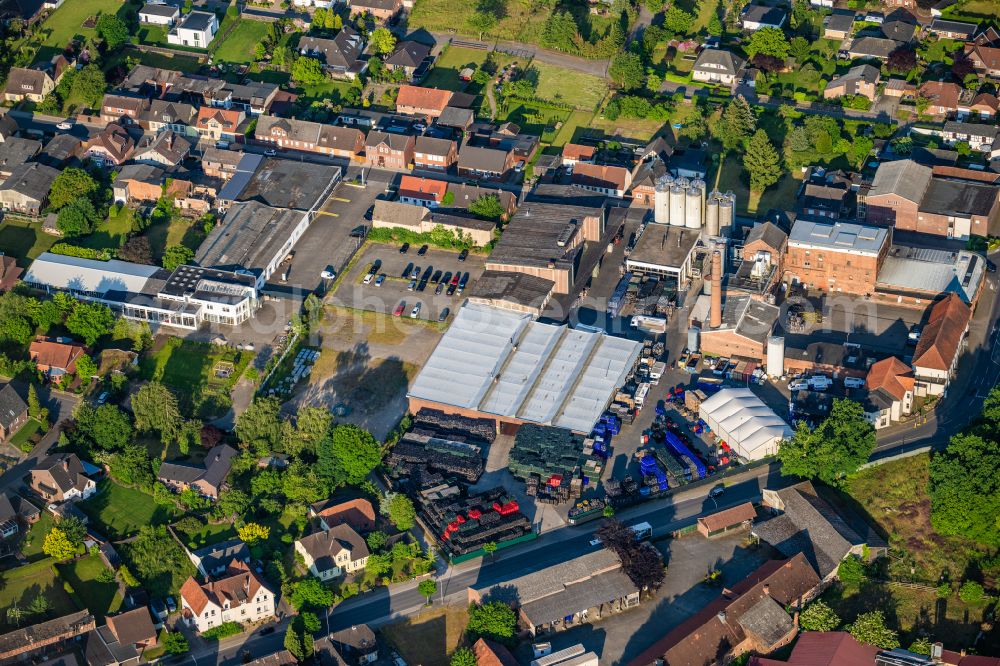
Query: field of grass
(24, 240)
(429, 637)
(568, 132)
(973, 9)
(66, 24)
(189, 368)
(733, 179)
(22, 438)
(524, 20)
(31, 547)
(238, 45)
(21, 585)
(331, 90)
(100, 598)
(208, 535)
(112, 233)
(446, 69)
(117, 511)
(556, 84)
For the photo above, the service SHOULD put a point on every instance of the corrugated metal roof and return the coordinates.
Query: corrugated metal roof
(933, 271)
(63, 272)
(503, 363)
(840, 236)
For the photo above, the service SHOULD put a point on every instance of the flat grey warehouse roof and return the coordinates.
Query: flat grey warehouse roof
(248, 237)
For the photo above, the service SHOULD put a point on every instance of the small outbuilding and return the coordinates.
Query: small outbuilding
(723, 521)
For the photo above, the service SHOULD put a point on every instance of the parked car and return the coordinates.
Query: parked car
(455, 279)
(406, 271)
(379, 280)
(444, 314)
(404, 248)
(436, 277)
(446, 278)
(65, 125)
(328, 273)
(913, 337)
(398, 312)
(820, 382)
(415, 273)
(799, 385)
(463, 255)
(103, 398)
(422, 284)
(412, 285)
(428, 272)
(439, 289)
(368, 278)
(422, 251)
(854, 382)
(270, 152)
(717, 491)
(451, 289)
(415, 312)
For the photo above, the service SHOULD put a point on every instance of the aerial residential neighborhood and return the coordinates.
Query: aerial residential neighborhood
(506, 333)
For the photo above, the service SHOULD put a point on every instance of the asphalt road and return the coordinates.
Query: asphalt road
(60, 406)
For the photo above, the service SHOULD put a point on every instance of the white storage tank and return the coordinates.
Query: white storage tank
(712, 215)
(661, 200)
(727, 214)
(693, 205)
(677, 195)
(775, 363)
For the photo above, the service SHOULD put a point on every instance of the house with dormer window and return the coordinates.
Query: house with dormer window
(333, 552)
(238, 596)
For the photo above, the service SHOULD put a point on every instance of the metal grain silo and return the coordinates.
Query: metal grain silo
(775, 356)
(712, 214)
(661, 199)
(727, 213)
(677, 195)
(693, 208)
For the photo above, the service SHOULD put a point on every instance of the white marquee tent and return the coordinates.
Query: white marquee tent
(744, 422)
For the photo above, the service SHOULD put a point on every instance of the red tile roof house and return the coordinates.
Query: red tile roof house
(358, 513)
(388, 151)
(383, 10)
(309, 136)
(890, 386)
(829, 648)
(422, 191)
(425, 102)
(610, 180)
(37, 638)
(9, 273)
(435, 154)
(206, 479)
(941, 343)
(122, 639)
(574, 152)
(60, 477)
(55, 359)
(112, 145)
(943, 97)
(752, 617)
(239, 596)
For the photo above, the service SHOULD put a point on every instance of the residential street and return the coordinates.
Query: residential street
(60, 406)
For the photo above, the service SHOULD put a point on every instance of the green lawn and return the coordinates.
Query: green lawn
(535, 119)
(567, 133)
(112, 233)
(31, 547)
(22, 438)
(974, 10)
(733, 179)
(523, 22)
(66, 24)
(99, 598)
(180, 63)
(21, 585)
(584, 91)
(238, 45)
(117, 511)
(24, 240)
(190, 369)
(331, 90)
(208, 535)
(446, 69)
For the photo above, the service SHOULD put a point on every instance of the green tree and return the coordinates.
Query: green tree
(90, 321)
(77, 218)
(311, 426)
(308, 71)
(259, 426)
(103, 428)
(494, 620)
(57, 545)
(965, 486)
(481, 22)
(376, 540)
(427, 588)
(112, 30)
(627, 71)
(310, 594)
(861, 148)
(715, 27)
(89, 85)
(769, 42)
(156, 410)
(399, 509)
(921, 645)
(177, 255)
(233, 503)
(971, 592)
(347, 455)
(253, 533)
(762, 162)
(678, 21)
(382, 41)
(870, 628)
(175, 643)
(836, 448)
(819, 617)
(736, 125)
(463, 656)
(74, 530)
(39, 605)
(490, 548)
(487, 207)
(851, 571)
(259, 51)
(298, 641)
(560, 31)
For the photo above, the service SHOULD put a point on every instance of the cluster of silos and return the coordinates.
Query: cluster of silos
(679, 202)
(720, 211)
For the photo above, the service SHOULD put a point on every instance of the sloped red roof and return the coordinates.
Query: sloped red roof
(943, 333)
(423, 98)
(728, 517)
(891, 375)
(824, 648)
(54, 354)
(601, 175)
(574, 151)
(422, 188)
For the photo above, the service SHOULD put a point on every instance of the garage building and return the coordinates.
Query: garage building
(744, 422)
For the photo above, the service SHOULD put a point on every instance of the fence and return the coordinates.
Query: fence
(200, 56)
(458, 559)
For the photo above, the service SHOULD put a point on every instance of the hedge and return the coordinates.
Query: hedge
(438, 237)
(224, 630)
(81, 252)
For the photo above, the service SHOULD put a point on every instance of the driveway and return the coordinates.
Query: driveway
(60, 406)
(566, 61)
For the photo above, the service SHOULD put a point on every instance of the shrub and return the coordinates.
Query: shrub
(69, 250)
(224, 630)
(971, 592)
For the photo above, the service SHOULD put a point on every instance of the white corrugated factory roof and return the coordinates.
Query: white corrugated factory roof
(743, 421)
(63, 272)
(503, 363)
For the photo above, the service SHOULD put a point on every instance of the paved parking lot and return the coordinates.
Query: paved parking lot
(394, 290)
(328, 241)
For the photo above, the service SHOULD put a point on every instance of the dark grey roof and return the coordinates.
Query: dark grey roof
(8, 126)
(769, 233)
(943, 25)
(488, 160)
(763, 14)
(358, 637)
(531, 237)
(59, 149)
(213, 471)
(15, 151)
(465, 195)
(839, 20)
(398, 142)
(221, 554)
(31, 179)
(519, 288)
(180, 472)
(12, 407)
(324, 546)
(248, 237)
(455, 117)
(665, 245)
(159, 10)
(903, 178)
(900, 31)
(718, 60)
(809, 525)
(197, 21)
(757, 321)
(342, 51)
(865, 73)
(408, 54)
(949, 197)
(431, 146)
(873, 47)
(767, 620)
(289, 184)
(972, 129)
(460, 218)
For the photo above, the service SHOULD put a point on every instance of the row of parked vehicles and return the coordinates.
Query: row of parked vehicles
(822, 383)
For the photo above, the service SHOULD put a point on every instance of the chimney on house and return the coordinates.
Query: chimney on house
(715, 320)
(767, 590)
(722, 616)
